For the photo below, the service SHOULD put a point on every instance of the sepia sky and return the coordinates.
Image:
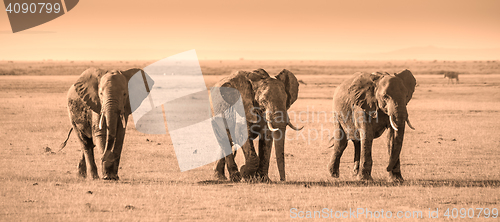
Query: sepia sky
(130, 29)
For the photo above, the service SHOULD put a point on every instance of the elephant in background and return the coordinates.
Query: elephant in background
(451, 75)
(98, 107)
(266, 101)
(366, 105)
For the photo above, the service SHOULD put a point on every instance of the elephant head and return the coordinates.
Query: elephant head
(106, 93)
(392, 94)
(274, 96)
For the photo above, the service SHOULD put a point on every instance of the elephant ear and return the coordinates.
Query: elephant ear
(291, 86)
(137, 97)
(362, 91)
(409, 81)
(87, 87)
(130, 72)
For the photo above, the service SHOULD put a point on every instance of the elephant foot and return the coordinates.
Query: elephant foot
(94, 174)
(219, 176)
(235, 177)
(257, 179)
(108, 170)
(111, 177)
(333, 172)
(364, 177)
(247, 173)
(395, 177)
(82, 170)
(82, 173)
(262, 177)
(355, 168)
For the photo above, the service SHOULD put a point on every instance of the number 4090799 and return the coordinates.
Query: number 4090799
(471, 212)
(33, 8)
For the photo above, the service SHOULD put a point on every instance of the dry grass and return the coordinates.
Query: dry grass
(300, 67)
(451, 160)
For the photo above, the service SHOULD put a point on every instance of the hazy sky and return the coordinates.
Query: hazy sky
(131, 29)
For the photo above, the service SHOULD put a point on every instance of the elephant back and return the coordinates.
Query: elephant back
(239, 82)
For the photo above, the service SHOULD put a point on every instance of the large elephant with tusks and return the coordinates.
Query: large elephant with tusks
(266, 101)
(98, 107)
(365, 106)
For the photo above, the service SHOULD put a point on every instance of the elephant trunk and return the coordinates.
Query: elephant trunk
(278, 135)
(111, 123)
(279, 147)
(398, 117)
(110, 115)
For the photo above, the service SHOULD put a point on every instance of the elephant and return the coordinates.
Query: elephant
(451, 75)
(98, 107)
(375, 102)
(266, 101)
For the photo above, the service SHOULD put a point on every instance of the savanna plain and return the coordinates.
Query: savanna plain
(451, 160)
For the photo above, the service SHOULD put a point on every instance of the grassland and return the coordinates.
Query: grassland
(451, 160)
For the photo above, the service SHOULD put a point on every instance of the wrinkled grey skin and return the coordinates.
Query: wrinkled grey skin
(265, 99)
(365, 105)
(451, 75)
(98, 106)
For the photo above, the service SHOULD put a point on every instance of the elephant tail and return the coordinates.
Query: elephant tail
(64, 143)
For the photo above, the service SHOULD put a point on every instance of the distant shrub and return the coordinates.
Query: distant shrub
(4, 72)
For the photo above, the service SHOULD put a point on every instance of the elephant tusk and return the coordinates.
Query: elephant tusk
(100, 121)
(294, 127)
(392, 123)
(124, 123)
(271, 127)
(409, 124)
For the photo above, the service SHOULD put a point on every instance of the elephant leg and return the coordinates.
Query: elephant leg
(395, 175)
(265, 146)
(220, 166)
(339, 144)
(99, 136)
(82, 166)
(251, 160)
(87, 147)
(89, 156)
(366, 162)
(232, 168)
(357, 151)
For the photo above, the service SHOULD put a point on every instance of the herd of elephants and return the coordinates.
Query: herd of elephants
(368, 104)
